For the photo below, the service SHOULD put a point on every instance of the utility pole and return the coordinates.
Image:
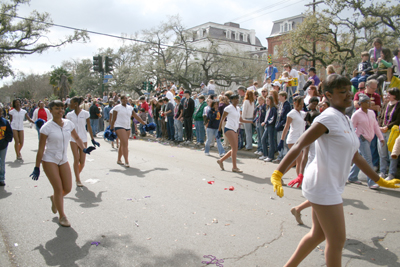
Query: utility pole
(313, 4)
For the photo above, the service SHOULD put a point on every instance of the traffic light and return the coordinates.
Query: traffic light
(98, 63)
(151, 86)
(144, 86)
(109, 64)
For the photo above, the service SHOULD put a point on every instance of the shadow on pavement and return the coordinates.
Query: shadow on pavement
(389, 192)
(4, 193)
(87, 198)
(62, 250)
(356, 203)
(15, 163)
(136, 172)
(377, 255)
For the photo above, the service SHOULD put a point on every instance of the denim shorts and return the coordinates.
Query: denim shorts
(227, 129)
(120, 128)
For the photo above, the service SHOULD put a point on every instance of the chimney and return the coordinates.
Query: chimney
(252, 37)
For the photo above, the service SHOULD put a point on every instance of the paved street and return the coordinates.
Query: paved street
(162, 212)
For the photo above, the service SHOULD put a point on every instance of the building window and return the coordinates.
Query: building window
(264, 56)
(286, 27)
(237, 36)
(276, 52)
(228, 34)
(244, 37)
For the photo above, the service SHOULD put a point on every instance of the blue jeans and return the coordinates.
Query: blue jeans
(385, 158)
(240, 138)
(248, 129)
(178, 125)
(170, 127)
(260, 132)
(282, 152)
(150, 119)
(365, 152)
(374, 151)
(358, 79)
(269, 138)
(211, 134)
(3, 153)
(141, 129)
(158, 129)
(94, 123)
(200, 131)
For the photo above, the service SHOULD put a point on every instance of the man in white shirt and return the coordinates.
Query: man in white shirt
(173, 87)
(294, 76)
(253, 87)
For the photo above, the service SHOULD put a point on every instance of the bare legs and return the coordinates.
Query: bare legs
(79, 160)
(60, 178)
(18, 142)
(329, 224)
(123, 136)
(297, 161)
(233, 141)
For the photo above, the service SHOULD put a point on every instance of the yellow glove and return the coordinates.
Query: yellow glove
(390, 184)
(276, 178)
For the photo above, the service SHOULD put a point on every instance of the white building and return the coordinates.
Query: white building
(231, 37)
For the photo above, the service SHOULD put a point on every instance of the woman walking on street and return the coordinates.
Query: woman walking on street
(121, 120)
(81, 120)
(17, 116)
(324, 180)
(52, 153)
(232, 113)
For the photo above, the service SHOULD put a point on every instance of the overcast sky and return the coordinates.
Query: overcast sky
(127, 16)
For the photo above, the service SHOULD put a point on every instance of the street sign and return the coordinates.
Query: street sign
(108, 76)
(105, 81)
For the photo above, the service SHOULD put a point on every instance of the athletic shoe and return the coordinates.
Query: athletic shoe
(390, 177)
(374, 187)
(355, 182)
(221, 155)
(262, 158)
(267, 159)
(256, 152)
(382, 175)
(207, 154)
(276, 161)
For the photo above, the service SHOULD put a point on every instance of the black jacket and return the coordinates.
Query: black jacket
(281, 120)
(188, 108)
(6, 134)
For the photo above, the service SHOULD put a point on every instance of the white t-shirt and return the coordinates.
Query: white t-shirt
(297, 127)
(123, 116)
(233, 117)
(17, 119)
(293, 73)
(326, 176)
(170, 96)
(57, 141)
(80, 123)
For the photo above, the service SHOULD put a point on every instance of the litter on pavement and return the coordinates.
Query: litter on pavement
(213, 260)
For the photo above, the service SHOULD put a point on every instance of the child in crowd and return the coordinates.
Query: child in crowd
(312, 111)
(364, 70)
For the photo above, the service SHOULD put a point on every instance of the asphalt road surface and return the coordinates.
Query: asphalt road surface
(163, 212)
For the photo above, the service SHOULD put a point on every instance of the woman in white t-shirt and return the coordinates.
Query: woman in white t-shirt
(55, 136)
(232, 114)
(17, 116)
(336, 146)
(121, 124)
(296, 126)
(81, 120)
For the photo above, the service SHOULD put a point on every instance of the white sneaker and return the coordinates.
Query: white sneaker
(390, 177)
(221, 155)
(256, 152)
(267, 160)
(207, 154)
(262, 158)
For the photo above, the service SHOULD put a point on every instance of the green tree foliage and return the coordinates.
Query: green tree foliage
(61, 81)
(26, 37)
(342, 31)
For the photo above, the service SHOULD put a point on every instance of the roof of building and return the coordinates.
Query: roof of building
(218, 32)
(276, 28)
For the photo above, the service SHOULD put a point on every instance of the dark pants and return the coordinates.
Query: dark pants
(170, 127)
(158, 129)
(241, 138)
(374, 151)
(188, 122)
(269, 138)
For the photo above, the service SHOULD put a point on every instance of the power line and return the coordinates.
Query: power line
(270, 12)
(132, 39)
(259, 10)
